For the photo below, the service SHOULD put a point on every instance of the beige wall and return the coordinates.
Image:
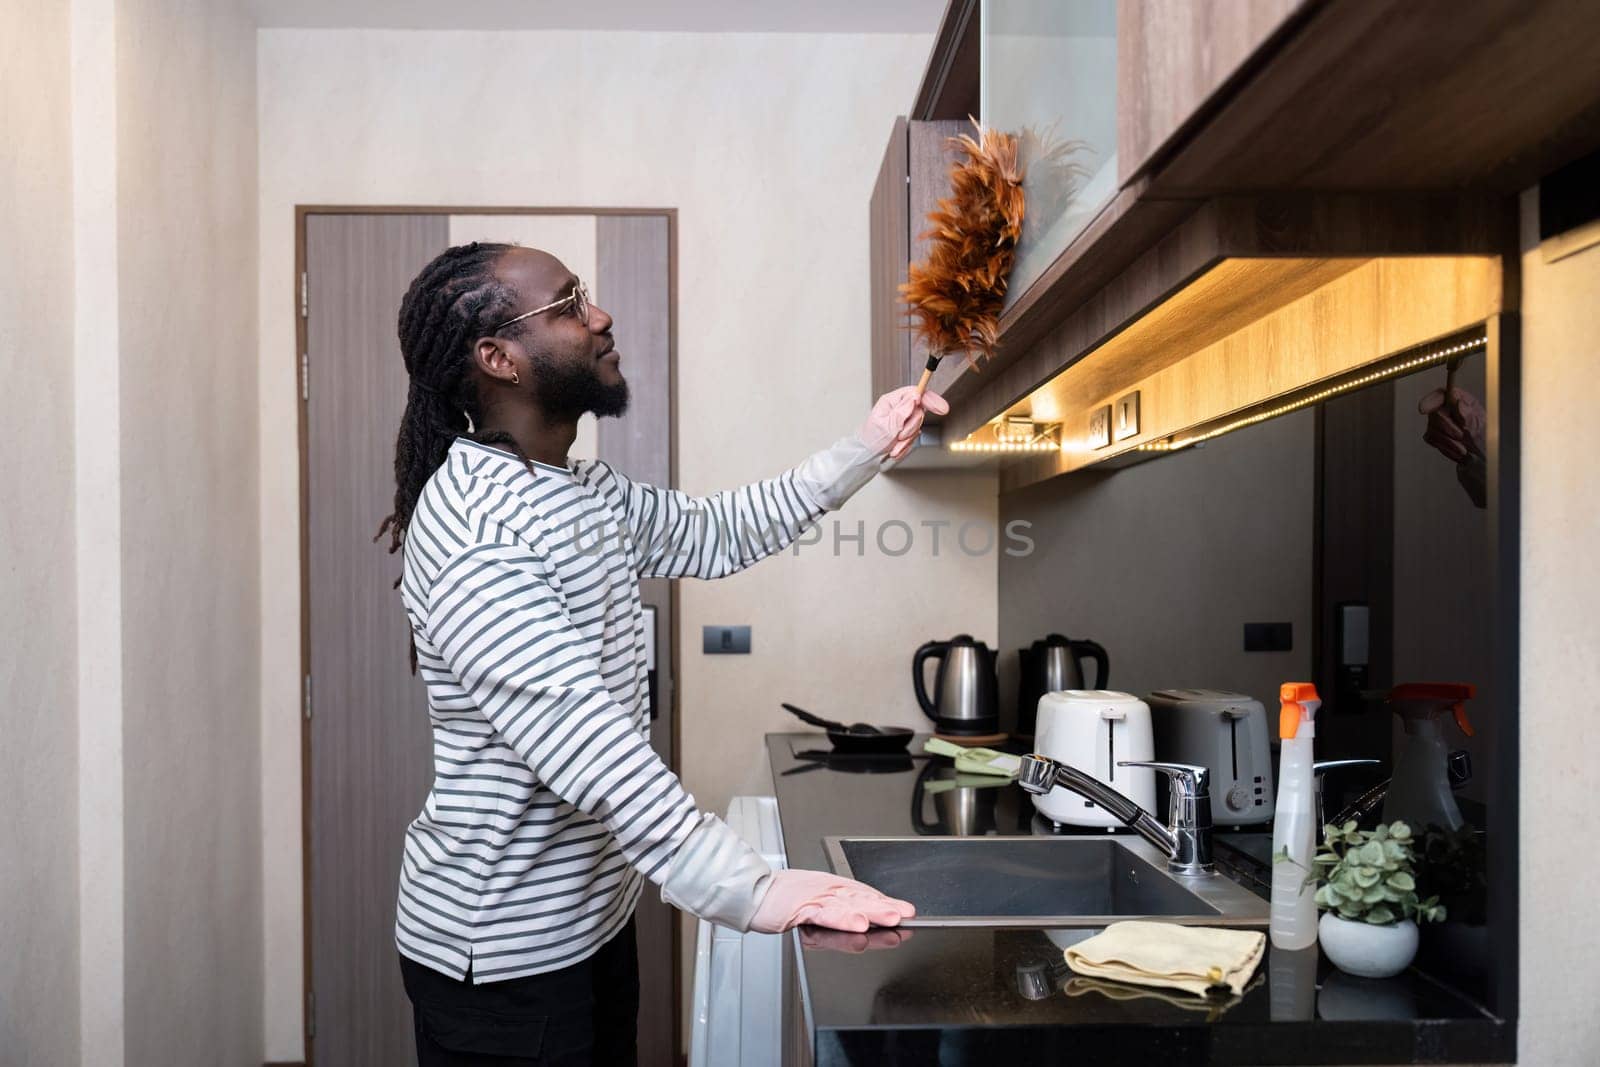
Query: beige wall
(38, 688)
(187, 258)
(1560, 661)
(768, 146)
(130, 902)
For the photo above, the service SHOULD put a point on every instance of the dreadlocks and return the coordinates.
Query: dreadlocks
(454, 301)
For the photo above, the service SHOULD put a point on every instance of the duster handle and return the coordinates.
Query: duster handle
(927, 374)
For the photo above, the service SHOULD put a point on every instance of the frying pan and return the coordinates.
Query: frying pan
(856, 737)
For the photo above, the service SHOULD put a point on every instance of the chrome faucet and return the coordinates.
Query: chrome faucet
(1459, 770)
(1186, 838)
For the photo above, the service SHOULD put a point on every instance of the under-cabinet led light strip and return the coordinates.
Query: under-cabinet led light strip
(1316, 398)
(1004, 446)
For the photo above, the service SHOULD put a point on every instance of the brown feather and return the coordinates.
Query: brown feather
(956, 293)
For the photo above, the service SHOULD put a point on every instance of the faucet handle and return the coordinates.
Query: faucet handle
(1188, 780)
(1322, 766)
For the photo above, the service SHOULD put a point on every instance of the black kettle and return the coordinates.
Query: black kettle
(966, 692)
(1050, 665)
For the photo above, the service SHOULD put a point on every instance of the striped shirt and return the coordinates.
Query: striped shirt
(521, 583)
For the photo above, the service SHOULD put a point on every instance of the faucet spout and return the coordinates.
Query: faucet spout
(1185, 840)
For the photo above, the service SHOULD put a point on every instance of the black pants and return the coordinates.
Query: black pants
(583, 1015)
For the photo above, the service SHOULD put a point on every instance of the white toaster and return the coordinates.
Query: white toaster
(1227, 733)
(1094, 729)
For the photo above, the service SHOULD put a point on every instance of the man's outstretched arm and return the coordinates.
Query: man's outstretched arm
(682, 536)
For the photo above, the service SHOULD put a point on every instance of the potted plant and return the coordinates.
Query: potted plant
(1368, 897)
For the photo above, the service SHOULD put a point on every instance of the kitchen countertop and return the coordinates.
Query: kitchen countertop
(951, 995)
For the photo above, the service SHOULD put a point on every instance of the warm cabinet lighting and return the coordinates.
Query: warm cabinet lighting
(1392, 369)
(1011, 435)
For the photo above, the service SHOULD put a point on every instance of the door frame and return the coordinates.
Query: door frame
(302, 435)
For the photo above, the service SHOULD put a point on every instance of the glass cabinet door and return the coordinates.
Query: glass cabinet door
(1049, 76)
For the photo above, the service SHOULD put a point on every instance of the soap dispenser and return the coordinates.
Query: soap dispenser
(1293, 922)
(1420, 792)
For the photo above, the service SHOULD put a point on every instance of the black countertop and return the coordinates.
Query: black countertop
(952, 995)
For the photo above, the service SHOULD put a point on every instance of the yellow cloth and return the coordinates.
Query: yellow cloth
(1191, 958)
(1212, 1007)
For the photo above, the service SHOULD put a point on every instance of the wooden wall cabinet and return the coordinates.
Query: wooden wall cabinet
(912, 177)
(1174, 58)
(1264, 129)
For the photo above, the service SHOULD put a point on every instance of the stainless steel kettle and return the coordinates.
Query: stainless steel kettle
(965, 690)
(1050, 665)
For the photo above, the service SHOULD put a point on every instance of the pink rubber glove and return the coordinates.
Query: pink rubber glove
(896, 419)
(798, 898)
(1456, 428)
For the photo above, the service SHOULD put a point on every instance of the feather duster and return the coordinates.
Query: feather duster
(956, 293)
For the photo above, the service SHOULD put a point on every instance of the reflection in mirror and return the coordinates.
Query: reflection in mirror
(1348, 543)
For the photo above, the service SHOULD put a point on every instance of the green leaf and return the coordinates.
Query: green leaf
(1349, 827)
(1400, 831)
(1402, 881)
(1365, 877)
(1371, 853)
(1381, 916)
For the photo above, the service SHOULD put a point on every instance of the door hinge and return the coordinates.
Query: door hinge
(311, 1014)
(305, 376)
(304, 299)
(305, 698)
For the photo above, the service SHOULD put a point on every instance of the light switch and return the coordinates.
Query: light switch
(725, 640)
(1125, 416)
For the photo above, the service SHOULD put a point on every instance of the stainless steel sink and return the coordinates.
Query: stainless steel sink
(1039, 881)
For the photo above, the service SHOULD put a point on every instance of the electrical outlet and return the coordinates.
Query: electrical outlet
(1100, 427)
(1126, 421)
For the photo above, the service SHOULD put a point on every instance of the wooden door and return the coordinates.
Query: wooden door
(369, 749)
(632, 282)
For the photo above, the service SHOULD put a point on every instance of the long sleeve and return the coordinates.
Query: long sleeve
(495, 620)
(681, 536)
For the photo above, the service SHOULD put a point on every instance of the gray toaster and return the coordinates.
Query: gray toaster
(1227, 733)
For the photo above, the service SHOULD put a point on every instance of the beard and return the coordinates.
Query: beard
(569, 389)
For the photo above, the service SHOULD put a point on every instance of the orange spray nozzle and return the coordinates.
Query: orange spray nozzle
(1453, 695)
(1290, 696)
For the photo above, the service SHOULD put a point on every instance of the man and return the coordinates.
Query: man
(521, 582)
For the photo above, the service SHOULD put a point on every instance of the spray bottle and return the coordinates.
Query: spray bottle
(1294, 832)
(1420, 791)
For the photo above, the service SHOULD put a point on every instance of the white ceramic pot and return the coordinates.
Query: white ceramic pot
(1365, 950)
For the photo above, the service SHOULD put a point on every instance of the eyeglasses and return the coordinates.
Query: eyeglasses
(578, 298)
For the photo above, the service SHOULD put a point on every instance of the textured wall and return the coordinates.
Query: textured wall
(186, 133)
(1560, 661)
(768, 146)
(38, 690)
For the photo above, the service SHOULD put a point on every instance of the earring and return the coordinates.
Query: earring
(514, 379)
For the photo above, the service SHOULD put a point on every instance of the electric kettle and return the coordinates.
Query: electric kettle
(966, 693)
(1051, 665)
(963, 805)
